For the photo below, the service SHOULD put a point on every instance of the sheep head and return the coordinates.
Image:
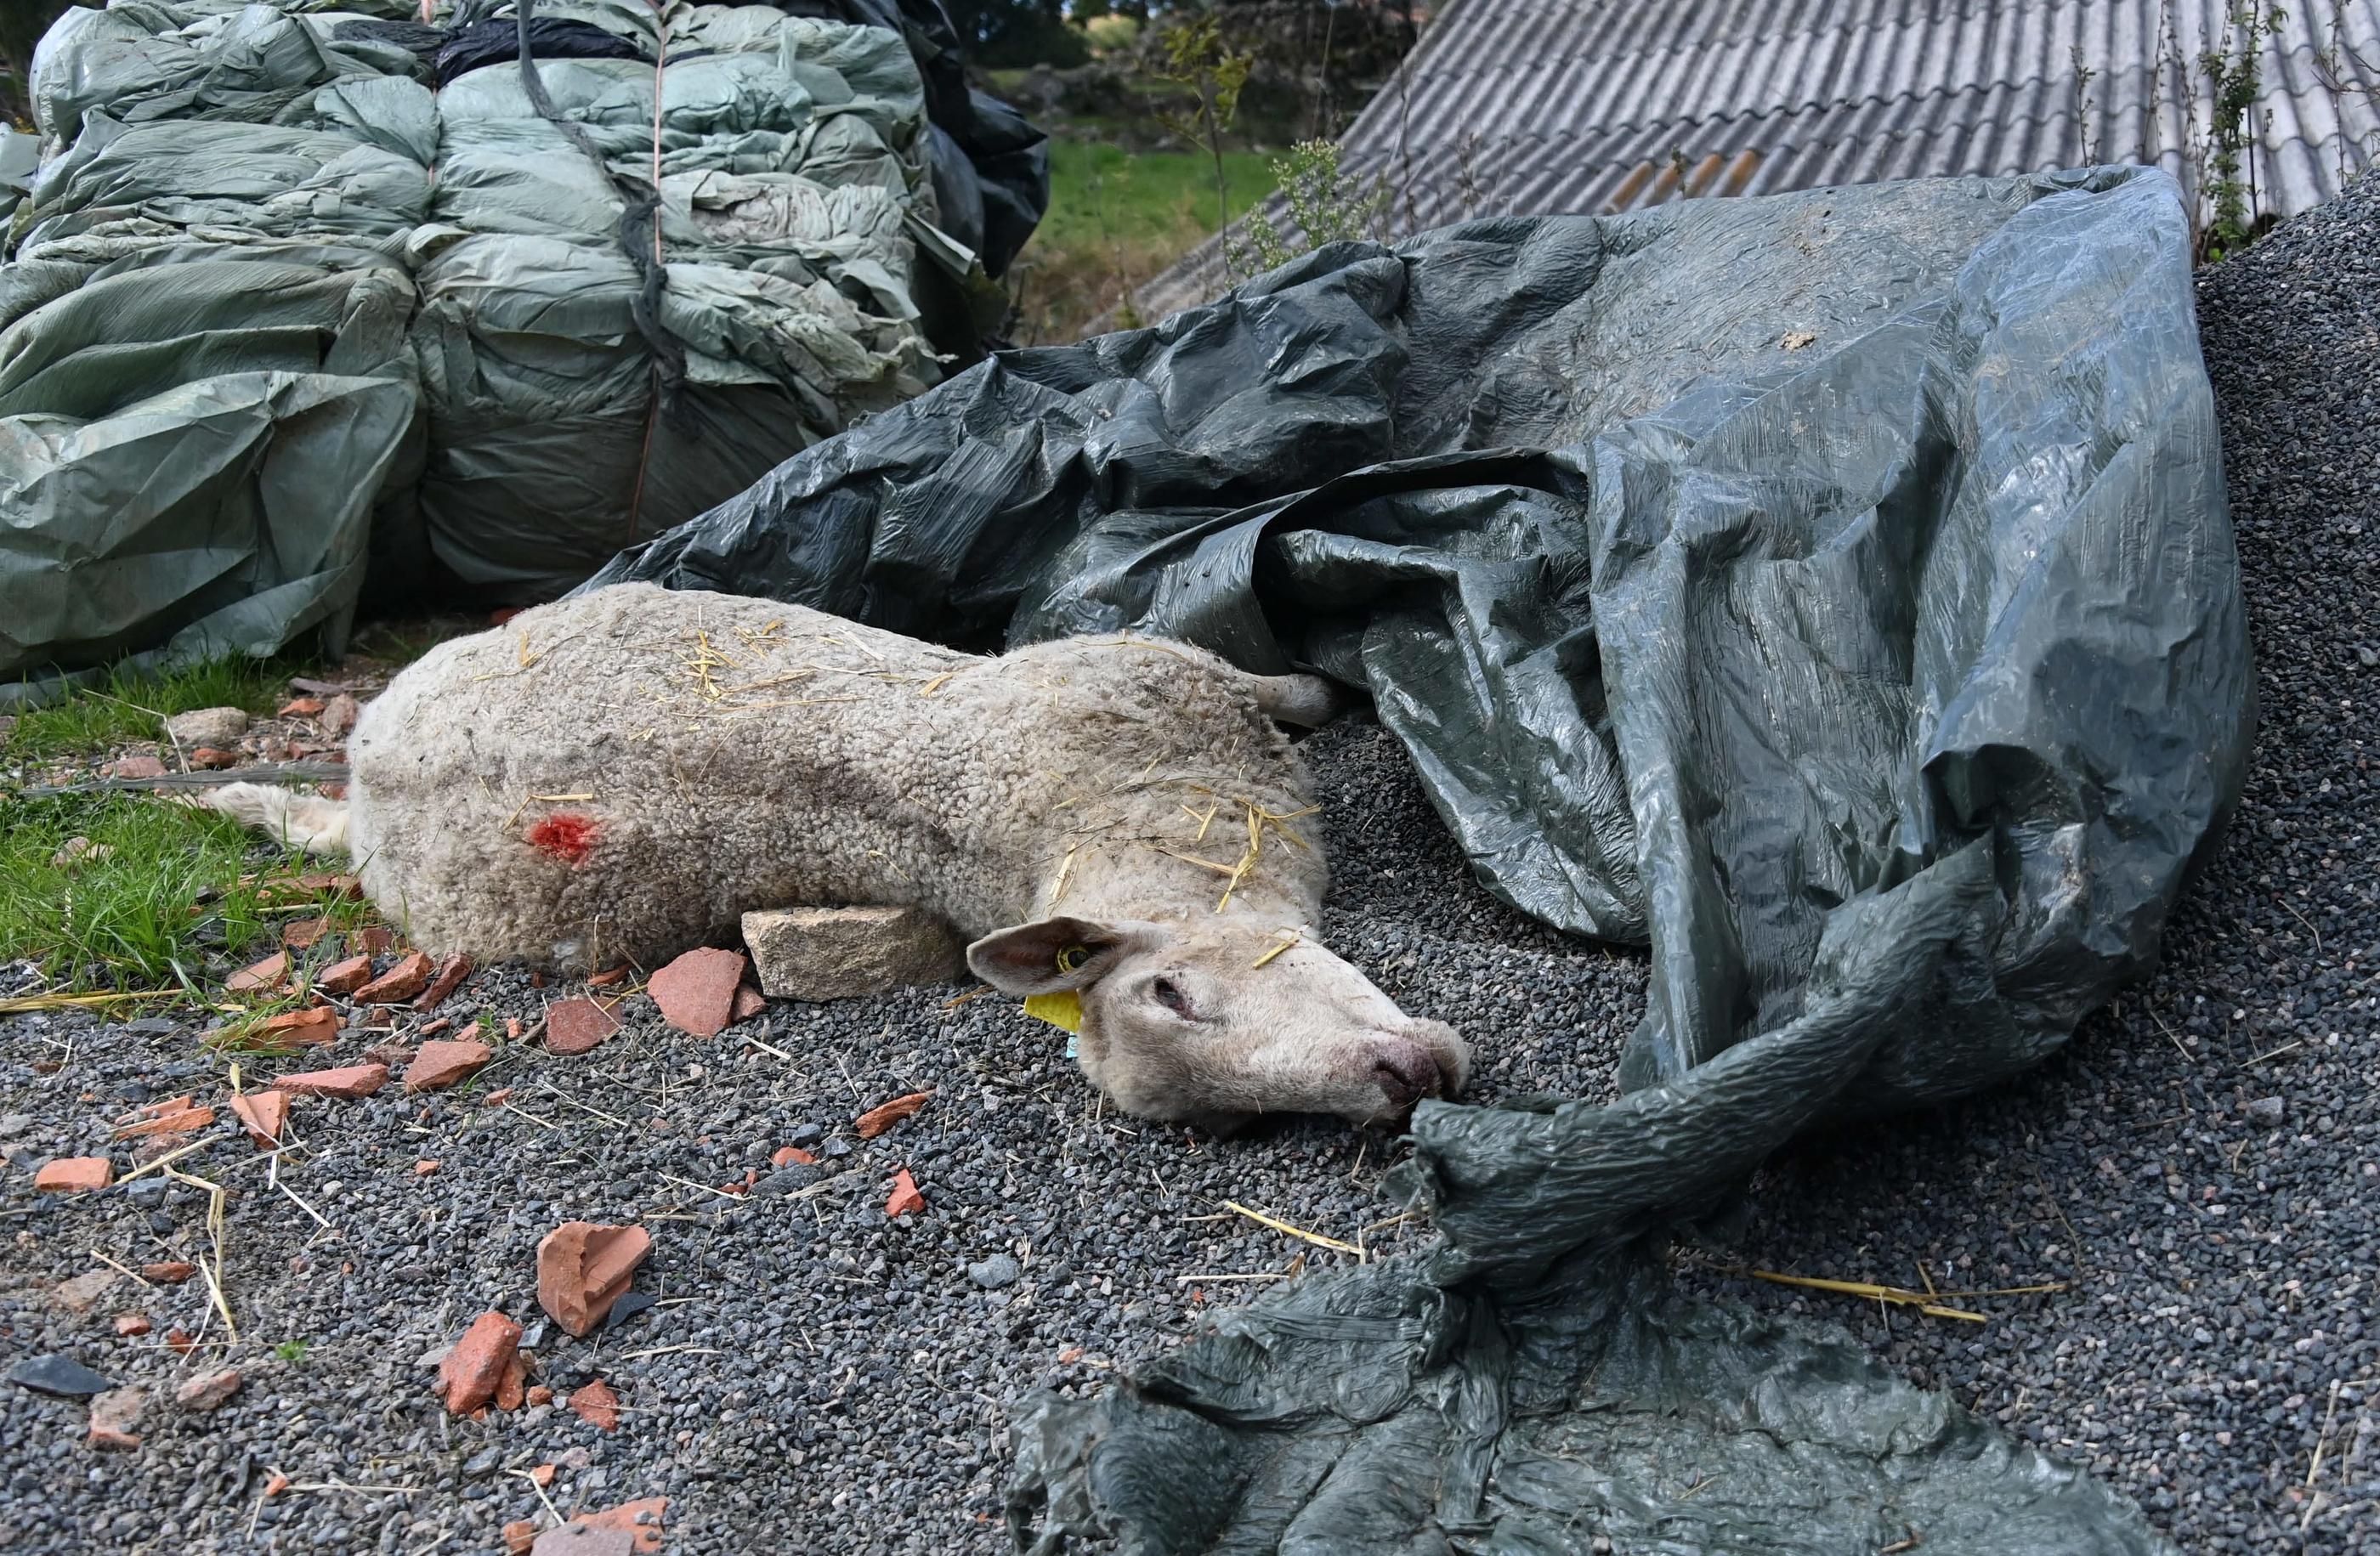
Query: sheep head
(1217, 1023)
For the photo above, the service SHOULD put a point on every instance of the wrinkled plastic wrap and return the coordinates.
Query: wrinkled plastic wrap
(720, 239)
(1834, 591)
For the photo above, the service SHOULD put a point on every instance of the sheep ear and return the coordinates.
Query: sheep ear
(1049, 955)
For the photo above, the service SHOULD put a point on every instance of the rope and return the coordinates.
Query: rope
(639, 231)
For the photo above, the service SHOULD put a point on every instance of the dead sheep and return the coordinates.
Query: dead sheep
(621, 774)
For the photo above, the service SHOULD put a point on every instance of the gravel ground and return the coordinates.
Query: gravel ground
(817, 1378)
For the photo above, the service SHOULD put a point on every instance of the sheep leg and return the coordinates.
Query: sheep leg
(1307, 700)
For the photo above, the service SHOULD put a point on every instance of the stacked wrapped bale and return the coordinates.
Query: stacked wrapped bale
(302, 285)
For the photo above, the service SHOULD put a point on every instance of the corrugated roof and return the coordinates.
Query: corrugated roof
(1574, 106)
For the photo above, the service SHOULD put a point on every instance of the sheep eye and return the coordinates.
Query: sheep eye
(1169, 994)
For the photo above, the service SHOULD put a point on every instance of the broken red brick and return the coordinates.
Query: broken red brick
(339, 715)
(179, 1341)
(476, 1367)
(432, 1029)
(876, 1120)
(208, 1390)
(349, 1081)
(608, 977)
(280, 1483)
(345, 977)
(296, 1029)
(749, 1001)
(540, 1394)
(424, 1167)
(574, 1025)
(400, 983)
(696, 992)
(500, 1096)
(596, 1406)
(641, 1520)
(131, 1326)
(905, 1197)
(301, 707)
(185, 1121)
(136, 767)
(264, 1114)
(213, 758)
(172, 1272)
(541, 1475)
(788, 1154)
(442, 1064)
(451, 972)
(303, 934)
(582, 1269)
(74, 1174)
(514, 1389)
(520, 1537)
(372, 940)
(270, 973)
(113, 1416)
(332, 885)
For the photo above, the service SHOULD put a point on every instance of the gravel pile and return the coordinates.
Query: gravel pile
(816, 1377)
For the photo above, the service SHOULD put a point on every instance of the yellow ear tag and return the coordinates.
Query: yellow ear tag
(1063, 1009)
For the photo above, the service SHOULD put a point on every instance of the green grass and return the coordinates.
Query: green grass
(1100, 192)
(165, 897)
(128, 707)
(1116, 219)
(125, 920)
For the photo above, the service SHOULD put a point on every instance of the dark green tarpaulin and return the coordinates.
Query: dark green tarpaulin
(1833, 590)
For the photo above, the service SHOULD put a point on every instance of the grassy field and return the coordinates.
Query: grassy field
(1116, 219)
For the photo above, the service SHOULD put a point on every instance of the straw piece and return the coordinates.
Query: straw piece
(1288, 937)
(1926, 1302)
(1317, 1238)
(24, 1002)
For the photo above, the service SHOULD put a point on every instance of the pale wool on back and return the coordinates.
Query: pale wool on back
(1116, 823)
(624, 774)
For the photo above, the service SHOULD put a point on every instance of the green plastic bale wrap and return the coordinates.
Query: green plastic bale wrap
(1833, 592)
(714, 242)
(222, 514)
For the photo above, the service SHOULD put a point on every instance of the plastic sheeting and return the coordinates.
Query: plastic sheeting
(715, 242)
(1835, 591)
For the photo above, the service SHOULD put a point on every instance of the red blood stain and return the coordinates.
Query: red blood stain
(566, 835)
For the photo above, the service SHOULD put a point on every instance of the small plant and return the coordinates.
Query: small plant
(1326, 205)
(2084, 106)
(1194, 55)
(293, 1351)
(2342, 73)
(2237, 78)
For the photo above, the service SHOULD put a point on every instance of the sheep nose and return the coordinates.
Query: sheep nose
(1406, 1072)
